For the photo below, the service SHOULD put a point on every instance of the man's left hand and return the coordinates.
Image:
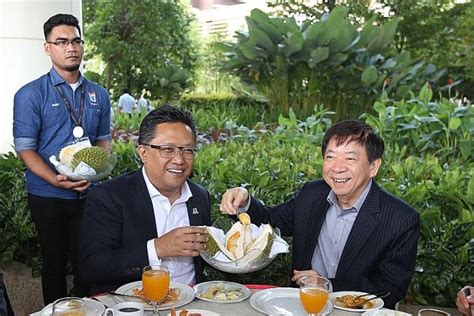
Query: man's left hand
(298, 275)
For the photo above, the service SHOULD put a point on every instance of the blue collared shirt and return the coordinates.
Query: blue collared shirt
(334, 233)
(42, 123)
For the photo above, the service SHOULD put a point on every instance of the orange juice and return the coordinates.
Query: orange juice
(313, 299)
(155, 284)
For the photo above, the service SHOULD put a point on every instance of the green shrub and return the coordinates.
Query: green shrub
(217, 111)
(332, 62)
(424, 126)
(18, 237)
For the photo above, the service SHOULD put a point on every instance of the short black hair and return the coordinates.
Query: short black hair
(165, 114)
(60, 19)
(360, 132)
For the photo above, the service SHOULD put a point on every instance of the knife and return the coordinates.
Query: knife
(137, 298)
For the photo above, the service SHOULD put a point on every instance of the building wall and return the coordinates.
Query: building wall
(22, 58)
(224, 17)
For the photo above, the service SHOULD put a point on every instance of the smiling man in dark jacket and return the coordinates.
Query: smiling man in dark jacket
(345, 227)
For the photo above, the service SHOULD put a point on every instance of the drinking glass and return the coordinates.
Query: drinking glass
(314, 293)
(69, 306)
(432, 312)
(156, 282)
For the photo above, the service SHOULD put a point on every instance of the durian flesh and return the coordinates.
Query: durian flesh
(67, 153)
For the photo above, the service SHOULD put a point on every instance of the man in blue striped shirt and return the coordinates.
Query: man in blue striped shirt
(50, 113)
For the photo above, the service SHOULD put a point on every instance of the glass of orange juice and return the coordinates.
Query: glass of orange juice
(156, 282)
(314, 293)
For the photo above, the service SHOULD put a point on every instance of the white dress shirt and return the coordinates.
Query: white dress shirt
(167, 217)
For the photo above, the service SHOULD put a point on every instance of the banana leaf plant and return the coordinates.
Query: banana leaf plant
(332, 62)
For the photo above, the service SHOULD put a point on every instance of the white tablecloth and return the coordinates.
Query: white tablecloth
(236, 309)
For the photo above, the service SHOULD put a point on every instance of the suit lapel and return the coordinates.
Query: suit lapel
(144, 205)
(316, 219)
(194, 208)
(364, 225)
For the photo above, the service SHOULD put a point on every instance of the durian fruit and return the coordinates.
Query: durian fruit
(262, 245)
(214, 246)
(96, 157)
(239, 238)
(67, 153)
(234, 241)
(239, 242)
(247, 238)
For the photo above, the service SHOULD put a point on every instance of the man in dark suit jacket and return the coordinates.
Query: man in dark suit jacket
(150, 216)
(345, 228)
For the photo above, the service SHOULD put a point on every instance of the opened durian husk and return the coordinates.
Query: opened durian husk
(240, 243)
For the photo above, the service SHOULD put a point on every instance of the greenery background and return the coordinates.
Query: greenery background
(265, 134)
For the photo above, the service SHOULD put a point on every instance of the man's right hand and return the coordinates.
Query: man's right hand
(182, 242)
(233, 199)
(465, 303)
(65, 183)
(36, 164)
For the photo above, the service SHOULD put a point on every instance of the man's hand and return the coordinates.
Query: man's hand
(298, 275)
(465, 303)
(233, 199)
(182, 242)
(36, 164)
(65, 183)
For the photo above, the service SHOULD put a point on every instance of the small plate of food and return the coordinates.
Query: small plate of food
(221, 292)
(178, 295)
(354, 301)
(192, 312)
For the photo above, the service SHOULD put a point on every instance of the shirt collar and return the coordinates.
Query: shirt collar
(332, 198)
(56, 79)
(186, 193)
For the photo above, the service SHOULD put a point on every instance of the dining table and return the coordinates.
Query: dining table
(230, 309)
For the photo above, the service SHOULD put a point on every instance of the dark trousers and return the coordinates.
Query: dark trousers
(58, 223)
(5, 307)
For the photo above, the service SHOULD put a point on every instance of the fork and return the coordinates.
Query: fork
(367, 294)
(361, 305)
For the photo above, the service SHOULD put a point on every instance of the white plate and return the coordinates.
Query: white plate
(378, 302)
(185, 296)
(92, 308)
(202, 288)
(203, 312)
(385, 312)
(282, 301)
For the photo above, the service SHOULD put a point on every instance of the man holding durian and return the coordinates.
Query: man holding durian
(345, 227)
(50, 113)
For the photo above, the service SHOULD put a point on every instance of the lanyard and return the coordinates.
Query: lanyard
(77, 119)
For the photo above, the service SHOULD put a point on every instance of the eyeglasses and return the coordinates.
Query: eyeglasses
(62, 42)
(170, 151)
